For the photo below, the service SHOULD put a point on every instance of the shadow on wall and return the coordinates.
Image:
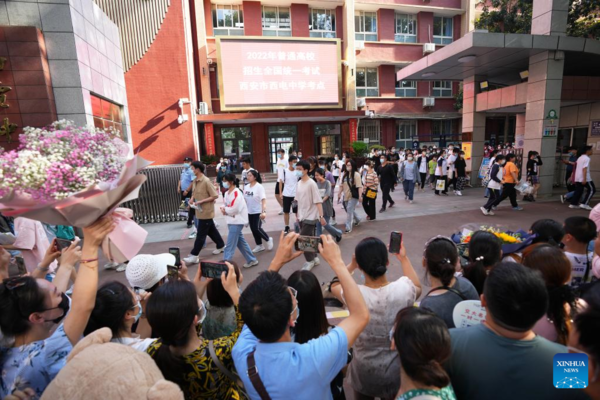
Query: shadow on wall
(152, 124)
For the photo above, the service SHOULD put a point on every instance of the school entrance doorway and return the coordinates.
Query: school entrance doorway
(282, 137)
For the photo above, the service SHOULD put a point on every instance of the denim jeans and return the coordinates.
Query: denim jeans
(330, 229)
(409, 188)
(351, 214)
(236, 239)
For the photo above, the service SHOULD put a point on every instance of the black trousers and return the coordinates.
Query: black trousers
(369, 207)
(494, 195)
(206, 227)
(452, 181)
(508, 191)
(423, 177)
(191, 211)
(577, 197)
(256, 227)
(385, 189)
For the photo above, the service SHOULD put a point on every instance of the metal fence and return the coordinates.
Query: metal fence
(158, 200)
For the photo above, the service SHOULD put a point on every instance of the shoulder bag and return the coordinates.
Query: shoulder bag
(234, 378)
(255, 378)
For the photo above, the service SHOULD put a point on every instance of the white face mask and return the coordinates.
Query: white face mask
(410, 158)
(382, 160)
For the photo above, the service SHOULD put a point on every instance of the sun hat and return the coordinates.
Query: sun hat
(146, 270)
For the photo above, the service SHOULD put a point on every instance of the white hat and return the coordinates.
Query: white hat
(145, 270)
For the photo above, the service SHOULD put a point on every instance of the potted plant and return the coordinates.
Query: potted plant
(211, 164)
(359, 152)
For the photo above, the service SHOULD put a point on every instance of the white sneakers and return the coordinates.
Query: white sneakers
(192, 259)
(458, 193)
(251, 264)
(281, 212)
(311, 264)
(585, 207)
(219, 251)
(258, 249)
(192, 235)
(332, 222)
(486, 212)
(270, 244)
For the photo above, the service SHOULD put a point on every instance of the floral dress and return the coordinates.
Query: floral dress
(33, 365)
(203, 378)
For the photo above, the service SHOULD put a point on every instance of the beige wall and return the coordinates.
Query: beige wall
(581, 116)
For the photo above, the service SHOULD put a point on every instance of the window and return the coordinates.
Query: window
(406, 28)
(441, 129)
(322, 23)
(276, 21)
(442, 30)
(227, 20)
(406, 89)
(366, 82)
(406, 131)
(369, 130)
(442, 89)
(107, 116)
(328, 139)
(365, 24)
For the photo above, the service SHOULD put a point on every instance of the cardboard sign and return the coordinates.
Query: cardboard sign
(483, 169)
(468, 313)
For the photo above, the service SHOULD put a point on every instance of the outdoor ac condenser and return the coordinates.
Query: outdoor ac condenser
(359, 45)
(203, 108)
(428, 102)
(360, 102)
(428, 48)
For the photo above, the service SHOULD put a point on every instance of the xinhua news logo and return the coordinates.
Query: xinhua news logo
(570, 371)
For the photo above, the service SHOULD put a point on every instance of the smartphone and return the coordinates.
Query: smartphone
(62, 244)
(177, 254)
(173, 272)
(309, 244)
(213, 270)
(21, 265)
(395, 242)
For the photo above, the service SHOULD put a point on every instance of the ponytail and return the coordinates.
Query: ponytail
(558, 298)
(441, 256)
(484, 251)
(431, 373)
(476, 273)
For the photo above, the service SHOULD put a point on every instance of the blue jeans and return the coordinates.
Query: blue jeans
(236, 239)
(351, 213)
(330, 229)
(409, 188)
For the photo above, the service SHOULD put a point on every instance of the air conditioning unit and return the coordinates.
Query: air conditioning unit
(359, 45)
(428, 102)
(428, 48)
(203, 108)
(360, 102)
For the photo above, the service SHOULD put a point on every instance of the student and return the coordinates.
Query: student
(326, 192)
(281, 165)
(583, 180)
(265, 353)
(570, 163)
(184, 187)
(533, 163)
(452, 157)
(388, 180)
(256, 200)
(375, 368)
(247, 167)
(510, 178)
(336, 168)
(485, 251)
(555, 269)
(312, 161)
(579, 232)
(352, 190)
(410, 177)
(422, 166)
(441, 174)
(494, 186)
(515, 298)
(221, 315)
(423, 344)
(440, 260)
(492, 156)
(236, 214)
(370, 191)
(461, 173)
(287, 181)
(329, 176)
(43, 324)
(174, 313)
(432, 164)
(221, 172)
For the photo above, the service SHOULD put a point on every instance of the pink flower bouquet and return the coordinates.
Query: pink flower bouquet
(65, 175)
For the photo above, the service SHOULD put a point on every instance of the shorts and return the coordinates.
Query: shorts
(277, 187)
(535, 179)
(287, 204)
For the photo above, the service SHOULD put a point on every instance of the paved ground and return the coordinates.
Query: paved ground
(430, 215)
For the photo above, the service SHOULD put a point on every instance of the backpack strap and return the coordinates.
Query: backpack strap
(219, 364)
(255, 378)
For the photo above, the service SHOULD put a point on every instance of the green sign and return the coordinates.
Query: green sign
(552, 115)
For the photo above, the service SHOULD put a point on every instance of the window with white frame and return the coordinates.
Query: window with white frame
(367, 84)
(369, 130)
(406, 88)
(405, 132)
(406, 28)
(276, 21)
(442, 30)
(321, 23)
(442, 89)
(365, 25)
(228, 20)
(441, 129)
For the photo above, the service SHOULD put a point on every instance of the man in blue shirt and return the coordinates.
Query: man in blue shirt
(184, 187)
(284, 369)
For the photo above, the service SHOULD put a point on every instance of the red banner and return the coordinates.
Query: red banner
(209, 139)
(353, 130)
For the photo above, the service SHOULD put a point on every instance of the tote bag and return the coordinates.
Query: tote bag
(440, 184)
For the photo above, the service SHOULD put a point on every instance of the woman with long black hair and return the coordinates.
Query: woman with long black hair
(352, 189)
(485, 251)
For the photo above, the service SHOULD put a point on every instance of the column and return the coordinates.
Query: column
(549, 17)
(349, 55)
(520, 131)
(386, 25)
(425, 27)
(252, 18)
(473, 123)
(299, 13)
(387, 80)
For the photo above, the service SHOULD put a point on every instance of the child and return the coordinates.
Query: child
(432, 164)
(579, 231)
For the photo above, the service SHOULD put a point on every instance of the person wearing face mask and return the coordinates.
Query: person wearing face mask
(422, 167)
(387, 179)
(352, 189)
(256, 199)
(221, 172)
(288, 182)
(441, 174)
(184, 187)
(370, 192)
(31, 308)
(495, 184)
(409, 175)
(299, 155)
(281, 165)
(336, 168)
(460, 173)
(394, 158)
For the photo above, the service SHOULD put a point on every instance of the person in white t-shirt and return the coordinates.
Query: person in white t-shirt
(579, 232)
(282, 163)
(452, 157)
(336, 170)
(440, 173)
(287, 182)
(246, 167)
(256, 200)
(583, 180)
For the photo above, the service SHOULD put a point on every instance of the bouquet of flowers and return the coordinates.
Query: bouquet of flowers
(512, 242)
(65, 175)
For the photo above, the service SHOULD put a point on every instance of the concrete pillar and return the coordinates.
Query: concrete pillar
(386, 27)
(549, 17)
(299, 13)
(520, 131)
(425, 27)
(252, 18)
(349, 55)
(473, 123)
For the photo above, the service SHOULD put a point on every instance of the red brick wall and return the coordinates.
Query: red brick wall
(424, 28)
(30, 100)
(339, 22)
(154, 86)
(386, 28)
(456, 27)
(252, 18)
(388, 132)
(387, 81)
(299, 14)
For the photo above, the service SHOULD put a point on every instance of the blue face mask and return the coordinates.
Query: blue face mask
(298, 173)
(224, 168)
(186, 165)
(139, 314)
(226, 185)
(294, 165)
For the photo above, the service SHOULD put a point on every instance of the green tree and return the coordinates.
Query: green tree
(584, 19)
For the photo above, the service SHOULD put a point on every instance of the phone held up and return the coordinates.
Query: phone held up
(21, 265)
(175, 251)
(173, 270)
(395, 242)
(62, 244)
(213, 270)
(308, 244)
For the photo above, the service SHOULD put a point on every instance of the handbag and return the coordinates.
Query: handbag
(353, 188)
(234, 378)
(440, 184)
(371, 194)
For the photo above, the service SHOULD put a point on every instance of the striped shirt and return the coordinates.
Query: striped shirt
(371, 180)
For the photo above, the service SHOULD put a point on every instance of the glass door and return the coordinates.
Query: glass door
(237, 144)
(328, 139)
(282, 137)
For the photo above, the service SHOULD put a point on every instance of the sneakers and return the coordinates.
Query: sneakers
(445, 193)
(251, 264)
(311, 264)
(392, 204)
(410, 201)
(122, 267)
(574, 207)
(258, 249)
(191, 259)
(562, 198)
(193, 235)
(405, 197)
(218, 251)
(111, 265)
(458, 193)
(585, 207)
(348, 231)
(491, 213)
(280, 212)
(518, 208)
(270, 244)
(286, 230)
(332, 222)
(189, 226)
(382, 210)
(338, 238)
(484, 211)
(357, 222)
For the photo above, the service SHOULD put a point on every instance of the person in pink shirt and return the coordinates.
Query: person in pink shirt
(32, 242)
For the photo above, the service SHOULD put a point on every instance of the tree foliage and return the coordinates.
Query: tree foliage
(514, 16)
